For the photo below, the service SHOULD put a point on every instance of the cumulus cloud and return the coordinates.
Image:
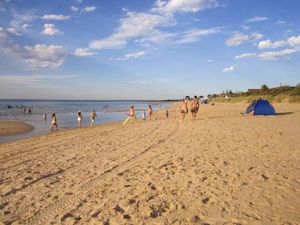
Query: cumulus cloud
(245, 55)
(294, 40)
(272, 55)
(43, 56)
(132, 27)
(195, 35)
(256, 19)
(173, 6)
(51, 30)
(90, 8)
(83, 52)
(55, 17)
(228, 69)
(237, 39)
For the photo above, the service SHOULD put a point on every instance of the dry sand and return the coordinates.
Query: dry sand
(14, 127)
(224, 168)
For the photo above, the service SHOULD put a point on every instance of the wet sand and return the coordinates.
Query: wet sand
(14, 127)
(223, 168)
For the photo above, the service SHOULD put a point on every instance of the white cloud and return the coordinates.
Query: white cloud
(228, 69)
(245, 55)
(74, 8)
(173, 6)
(256, 19)
(25, 26)
(14, 31)
(132, 26)
(195, 35)
(158, 37)
(55, 17)
(245, 27)
(209, 60)
(43, 56)
(294, 40)
(37, 56)
(272, 55)
(135, 55)
(51, 30)
(256, 36)
(83, 52)
(269, 44)
(90, 8)
(237, 39)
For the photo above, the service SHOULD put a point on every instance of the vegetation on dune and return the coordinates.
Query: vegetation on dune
(276, 94)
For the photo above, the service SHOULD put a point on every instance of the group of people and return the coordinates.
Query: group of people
(194, 107)
(54, 124)
(184, 109)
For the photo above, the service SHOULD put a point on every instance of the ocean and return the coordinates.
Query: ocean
(66, 111)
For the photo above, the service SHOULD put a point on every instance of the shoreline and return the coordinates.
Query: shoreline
(12, 127)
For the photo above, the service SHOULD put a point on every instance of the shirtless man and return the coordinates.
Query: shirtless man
(93, 117)
(132, 113)
(183, 109)
(194, 107)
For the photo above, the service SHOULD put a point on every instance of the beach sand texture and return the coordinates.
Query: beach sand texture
(14, 127)
(224, 168)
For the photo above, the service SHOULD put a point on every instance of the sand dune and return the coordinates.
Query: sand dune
(224, 168)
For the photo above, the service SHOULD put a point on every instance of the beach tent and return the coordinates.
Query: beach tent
(261, 107)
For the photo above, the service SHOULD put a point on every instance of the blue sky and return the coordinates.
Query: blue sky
(158, 49)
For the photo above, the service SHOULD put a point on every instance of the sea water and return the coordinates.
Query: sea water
(66, 113)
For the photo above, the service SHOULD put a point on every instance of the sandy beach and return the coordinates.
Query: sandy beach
(223, 168)
(14, 127)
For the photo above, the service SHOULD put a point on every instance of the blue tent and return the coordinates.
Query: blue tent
(261, 107)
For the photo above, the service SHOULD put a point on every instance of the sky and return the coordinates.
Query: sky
(149, 49)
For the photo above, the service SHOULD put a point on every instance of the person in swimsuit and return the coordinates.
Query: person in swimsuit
(150, 111)
(93, 117)
(194, 107)
(132, 113)
(79, 118)
(54, 122)
(183, 109)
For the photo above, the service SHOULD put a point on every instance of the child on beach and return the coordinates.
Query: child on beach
(93, 117)
(54, 122)
(150, 111)
(194, 107)
(144, 115)
(183, 109)
(79, 118)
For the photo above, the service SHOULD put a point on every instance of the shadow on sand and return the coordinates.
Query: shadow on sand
(283, 113)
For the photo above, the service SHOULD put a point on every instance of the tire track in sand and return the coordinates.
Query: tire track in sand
(44, 216)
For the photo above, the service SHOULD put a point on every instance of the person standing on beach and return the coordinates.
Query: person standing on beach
(79, 118)
(150, 112)
(45, 117)
(132, 113)
(183, 109)
(54, 122)
(194, 107)
(93, 117)
(167, 114)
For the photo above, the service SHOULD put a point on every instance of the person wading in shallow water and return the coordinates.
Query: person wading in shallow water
(93, 117)
(54, 122)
